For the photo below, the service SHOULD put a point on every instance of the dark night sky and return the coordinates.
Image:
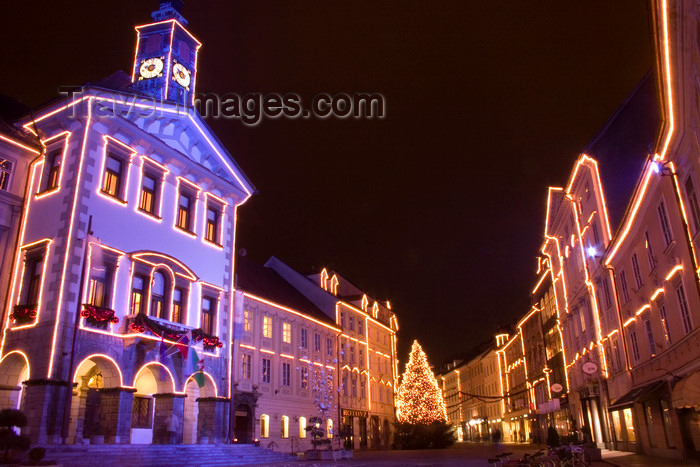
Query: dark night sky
(439, 207)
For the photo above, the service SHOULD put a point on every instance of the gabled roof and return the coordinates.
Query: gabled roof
(168, 122)
(265, 283)
(10, 111)
(555, 196)
(621, 147)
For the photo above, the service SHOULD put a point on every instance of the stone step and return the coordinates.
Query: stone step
(208, 455)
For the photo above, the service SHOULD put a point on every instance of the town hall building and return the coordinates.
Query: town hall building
(122, 279)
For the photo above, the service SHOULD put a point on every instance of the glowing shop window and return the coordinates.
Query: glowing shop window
(616, 425)
(284, 426)
(264, 426)
(302, 427)
(629, 425)
(329, 428)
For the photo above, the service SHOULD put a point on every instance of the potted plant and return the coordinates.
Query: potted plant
(10, 420)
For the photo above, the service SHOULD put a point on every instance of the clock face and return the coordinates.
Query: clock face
(151, 68)
(181, 75)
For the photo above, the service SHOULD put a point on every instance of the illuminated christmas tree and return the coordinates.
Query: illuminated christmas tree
(419, 399)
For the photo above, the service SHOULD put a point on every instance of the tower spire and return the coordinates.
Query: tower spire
(170, 9)
(165, 64)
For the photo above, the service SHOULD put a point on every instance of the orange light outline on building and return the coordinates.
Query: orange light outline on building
(369, 384)
(18, 144)
(648, 171)
(176, 111)
(58, 186)
(143, 367)
(284, 308)
(591, 289)
(193, 221)
(137, 206)
(116, 365)
(673, 272)
(190, 274)
(120, 202)
(224, 205)
(656, 293)
(48, 242)
(211, 378)
(26, 360)
(69, 238)
(23, 224)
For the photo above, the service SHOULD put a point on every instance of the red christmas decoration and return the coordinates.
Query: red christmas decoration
(23, 313)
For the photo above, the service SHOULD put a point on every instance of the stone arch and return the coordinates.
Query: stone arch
(111, 374)
(191, 409)
(14, 368)
(153, 386)
(154, 378)
(93, 373)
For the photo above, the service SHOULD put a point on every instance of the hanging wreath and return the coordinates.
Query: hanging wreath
(143, 323)
(98, 316)
(22, 314)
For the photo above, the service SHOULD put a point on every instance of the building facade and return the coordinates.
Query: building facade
(367, 363)
(122, 279)
(286, 354)
(17, 151)
(653, 262)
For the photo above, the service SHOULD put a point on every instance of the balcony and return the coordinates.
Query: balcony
(98, 317)
(164, 329)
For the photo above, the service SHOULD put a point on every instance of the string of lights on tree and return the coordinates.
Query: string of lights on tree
(322, 382)
(418, 398)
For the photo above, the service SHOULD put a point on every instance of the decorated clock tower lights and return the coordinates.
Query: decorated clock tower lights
(165, 63)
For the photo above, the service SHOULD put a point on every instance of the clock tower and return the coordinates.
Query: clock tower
(166, 56)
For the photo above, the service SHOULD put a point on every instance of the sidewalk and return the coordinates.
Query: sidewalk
(623, 459)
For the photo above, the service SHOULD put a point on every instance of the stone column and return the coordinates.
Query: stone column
(117, 404)
(166, 405)
(43, 405)
(212, 421)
